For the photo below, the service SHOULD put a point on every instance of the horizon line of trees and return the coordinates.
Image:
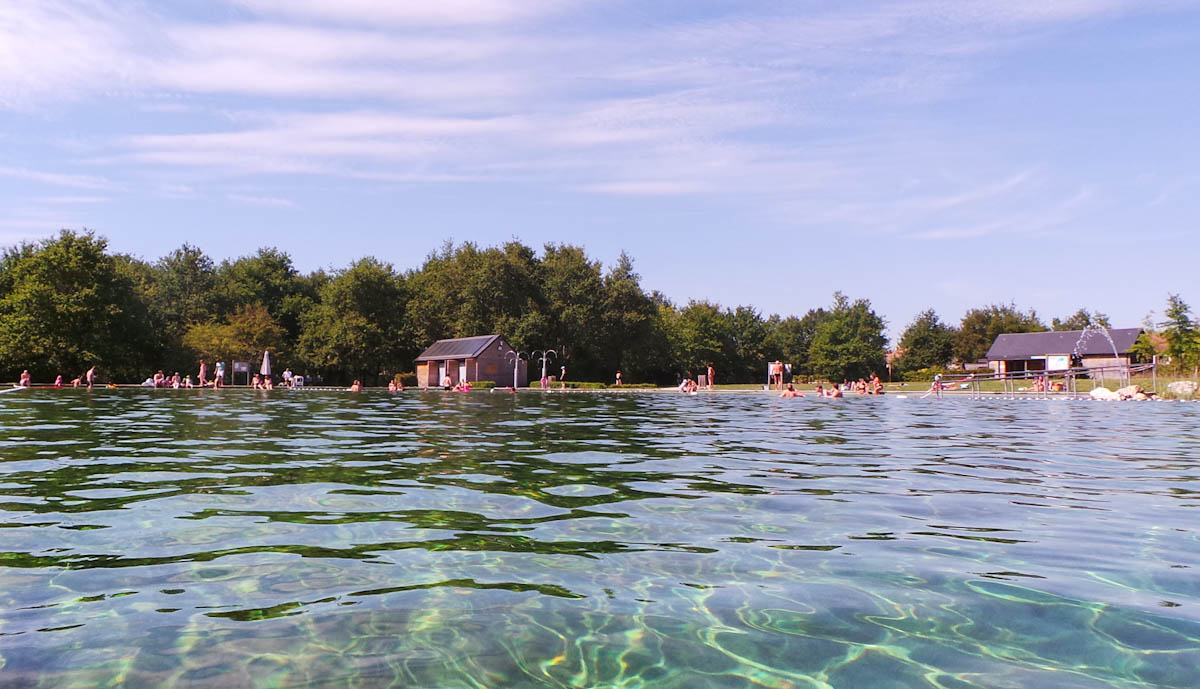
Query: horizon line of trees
(67, 303)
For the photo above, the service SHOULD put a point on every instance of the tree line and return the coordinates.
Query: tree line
(67, 303)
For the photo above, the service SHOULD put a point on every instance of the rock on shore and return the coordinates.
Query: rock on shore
(1129, 392)
(1183, 388)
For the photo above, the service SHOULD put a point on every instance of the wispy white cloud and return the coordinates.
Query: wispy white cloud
(978, 193)
(266, 201)
(71, 200)
(1023, 222)
(58, 179)
(33, 222)
(62, 49)
(488, 90)
(371, 12)
(644, 187)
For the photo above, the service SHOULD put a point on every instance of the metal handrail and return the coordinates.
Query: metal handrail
(1070, 376)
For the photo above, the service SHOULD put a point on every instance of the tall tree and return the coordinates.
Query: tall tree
(632, 331)
(790, 339)
(66, 305)
(981, 326)
(186, 281)
(574, 288)
(927, 342)
(357, 329)
(1182, 333)
(699, 333)
(849, 343)
(245, 334)
(746, 352)
(1080, 320)
(267, 278)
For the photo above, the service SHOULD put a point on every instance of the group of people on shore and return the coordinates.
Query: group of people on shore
(688, 383)
(86, 379)
(863, 386)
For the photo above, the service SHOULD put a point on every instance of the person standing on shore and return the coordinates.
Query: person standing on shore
(562, 377)
(90, 377)
(711, 374)
(618, 379)
(203, 375)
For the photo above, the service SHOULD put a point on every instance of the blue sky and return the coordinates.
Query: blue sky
(921, 153)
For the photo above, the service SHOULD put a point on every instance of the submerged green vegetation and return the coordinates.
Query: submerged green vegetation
(67, 303)
(654, 541)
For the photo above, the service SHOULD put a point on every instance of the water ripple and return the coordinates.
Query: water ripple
(307, 538)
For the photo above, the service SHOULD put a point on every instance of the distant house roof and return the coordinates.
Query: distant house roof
(458, 348)
(1024, 345)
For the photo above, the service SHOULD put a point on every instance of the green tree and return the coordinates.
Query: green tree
(698, 334)
(746, 352)
(980, 327)
(464, 291)
(635, 342)
(244, 335)
(269, 279)
(1080, 320)
(65, 305)
(927, 342)
(357, 329)
(849, 343)
(185, 281)
(1182, 333)
(574, 289)
(790, 339)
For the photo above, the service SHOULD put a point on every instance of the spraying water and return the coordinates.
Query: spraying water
(1093, 329)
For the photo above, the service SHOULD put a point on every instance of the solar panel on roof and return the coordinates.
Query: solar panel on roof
(458, 348)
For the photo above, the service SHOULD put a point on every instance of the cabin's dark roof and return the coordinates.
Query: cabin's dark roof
(1024, 345)
(458, 348)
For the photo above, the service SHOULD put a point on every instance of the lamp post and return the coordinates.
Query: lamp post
(542, 355)
(516, 359)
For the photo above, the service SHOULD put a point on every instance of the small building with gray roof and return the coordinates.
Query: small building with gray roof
(470, 359)
(1060, 350)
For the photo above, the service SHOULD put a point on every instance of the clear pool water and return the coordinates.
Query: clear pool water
(238, 539)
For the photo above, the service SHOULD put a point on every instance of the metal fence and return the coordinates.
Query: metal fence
(1042, 384)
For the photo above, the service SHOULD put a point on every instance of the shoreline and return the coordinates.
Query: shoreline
(916, 393)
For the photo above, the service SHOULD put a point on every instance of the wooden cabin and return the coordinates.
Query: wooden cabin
(1059, 350)
(472, 359)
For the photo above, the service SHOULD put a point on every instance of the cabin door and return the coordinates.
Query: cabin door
(441, 373)
(462, 371)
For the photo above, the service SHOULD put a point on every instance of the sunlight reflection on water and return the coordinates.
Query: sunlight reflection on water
(307, 538)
